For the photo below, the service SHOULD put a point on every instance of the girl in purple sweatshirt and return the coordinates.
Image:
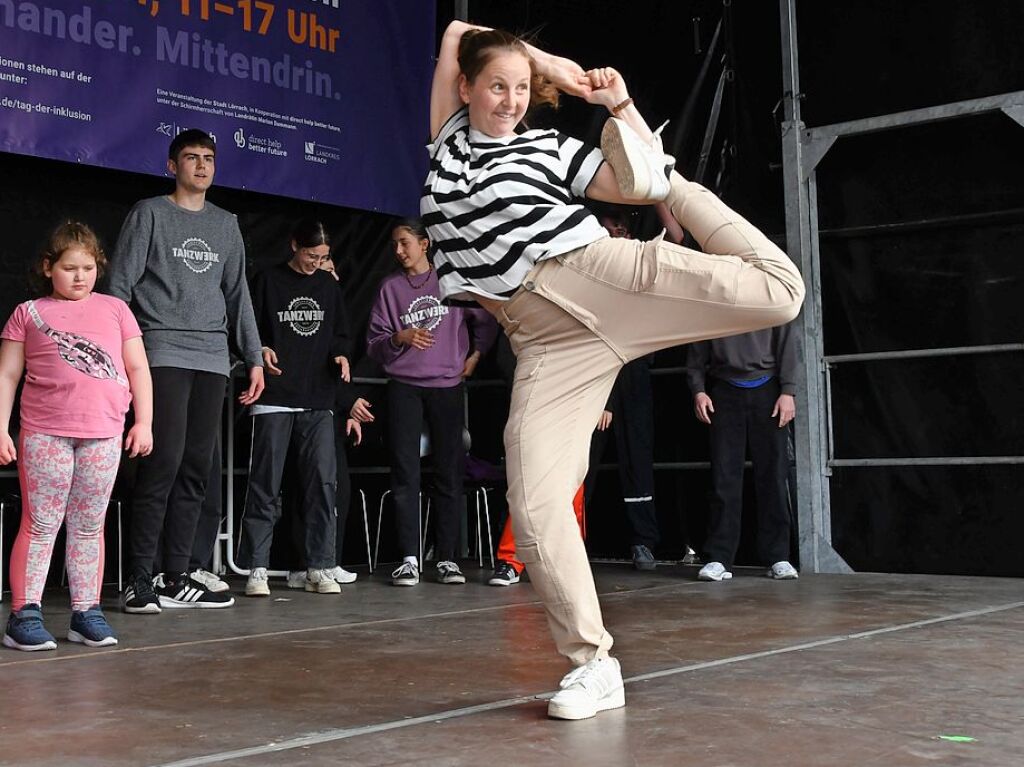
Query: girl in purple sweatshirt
(426, 349)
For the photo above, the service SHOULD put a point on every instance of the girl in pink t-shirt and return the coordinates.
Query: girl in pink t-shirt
(84, 361)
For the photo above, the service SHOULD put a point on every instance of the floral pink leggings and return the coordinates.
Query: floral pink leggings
(62, 477)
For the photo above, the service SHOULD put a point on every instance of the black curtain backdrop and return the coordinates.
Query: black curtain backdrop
(913, 285)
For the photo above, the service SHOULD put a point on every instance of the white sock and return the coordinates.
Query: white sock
(413, 561)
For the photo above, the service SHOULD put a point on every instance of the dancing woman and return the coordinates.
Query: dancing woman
(575, 303)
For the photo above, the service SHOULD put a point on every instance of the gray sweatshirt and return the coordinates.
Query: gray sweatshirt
(183, 273)
(773, 351)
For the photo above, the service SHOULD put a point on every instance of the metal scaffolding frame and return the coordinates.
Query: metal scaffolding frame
(802, 150)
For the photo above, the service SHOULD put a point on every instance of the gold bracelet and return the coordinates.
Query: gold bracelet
(619, 107)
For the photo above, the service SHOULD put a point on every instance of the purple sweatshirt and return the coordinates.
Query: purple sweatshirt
(457, 332)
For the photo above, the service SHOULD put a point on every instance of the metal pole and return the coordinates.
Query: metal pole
(810, 437)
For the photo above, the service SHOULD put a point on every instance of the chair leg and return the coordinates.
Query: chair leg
(380, 517)
(120, 551)
(487, 518)
(2, 504)
(424, 525)
(366, 532)
(479, 540)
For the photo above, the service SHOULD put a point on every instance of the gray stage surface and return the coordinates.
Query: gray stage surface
(828, 670)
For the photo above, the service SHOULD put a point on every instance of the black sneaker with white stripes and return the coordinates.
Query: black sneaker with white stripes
(182, 591)
(139, 598)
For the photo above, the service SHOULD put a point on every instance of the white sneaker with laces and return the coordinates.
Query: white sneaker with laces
(595, 686)
(257, 585)
(714, 571)
(782, 571)
(641, 168)
(406, 574)
(341, 575)
(321, 582)
(212, 581)
(448, 572)
(297, 579)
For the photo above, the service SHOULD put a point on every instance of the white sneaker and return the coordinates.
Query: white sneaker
(321, 582)
(782, 571)
(257, 585)
(406, 574)
(641, 168)
(297, 579)
(341, 575)
(212, 581)
(449, 572)
(714, 571)
(595, 686)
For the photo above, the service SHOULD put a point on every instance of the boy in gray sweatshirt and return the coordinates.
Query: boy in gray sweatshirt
(180, 263)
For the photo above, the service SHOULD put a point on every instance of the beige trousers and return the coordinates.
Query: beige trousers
(577, 319)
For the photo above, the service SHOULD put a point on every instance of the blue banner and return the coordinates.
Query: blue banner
(324, 100)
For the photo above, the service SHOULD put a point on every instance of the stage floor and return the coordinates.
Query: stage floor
(828, 670)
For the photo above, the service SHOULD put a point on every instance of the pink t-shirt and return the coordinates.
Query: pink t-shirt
(75, 382)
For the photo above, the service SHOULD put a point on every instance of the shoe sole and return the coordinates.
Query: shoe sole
(74, 636)
(712, 579)
(616, 699)
(623, 159)
(10, 642)
(350, 578)
(173, 604)
(775, 577)
(405, 583)
(264, 592)
(501, 582)
(456, 581)
(321, 588)
(151, 609)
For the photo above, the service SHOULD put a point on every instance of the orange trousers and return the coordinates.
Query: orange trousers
(507, 544)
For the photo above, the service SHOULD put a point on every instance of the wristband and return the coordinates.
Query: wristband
(619, 107)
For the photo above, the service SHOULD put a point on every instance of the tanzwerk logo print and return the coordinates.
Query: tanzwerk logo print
(196, 255)
(425, 313)
(303, 315)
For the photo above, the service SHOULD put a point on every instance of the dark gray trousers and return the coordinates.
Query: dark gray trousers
(311, 435)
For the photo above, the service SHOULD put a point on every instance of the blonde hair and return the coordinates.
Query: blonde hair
(70, 234)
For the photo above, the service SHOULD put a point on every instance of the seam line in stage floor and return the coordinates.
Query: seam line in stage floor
(331, 736)
(330, 627)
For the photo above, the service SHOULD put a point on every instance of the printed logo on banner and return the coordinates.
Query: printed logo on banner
(303, 315)
(260, 144)
(166, 128)
(196, 255)
(321, 153)
(425, 313)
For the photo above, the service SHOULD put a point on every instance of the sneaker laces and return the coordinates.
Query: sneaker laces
(258, 574)
(406, 568)
(447, 567)
(579, 675)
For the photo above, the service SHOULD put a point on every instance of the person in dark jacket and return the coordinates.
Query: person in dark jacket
(302, 324)
(744, 388)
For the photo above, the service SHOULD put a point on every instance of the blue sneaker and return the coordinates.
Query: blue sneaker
(90, 628)
(25, 631)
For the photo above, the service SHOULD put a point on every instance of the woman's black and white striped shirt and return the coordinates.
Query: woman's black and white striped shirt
(494, 207)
